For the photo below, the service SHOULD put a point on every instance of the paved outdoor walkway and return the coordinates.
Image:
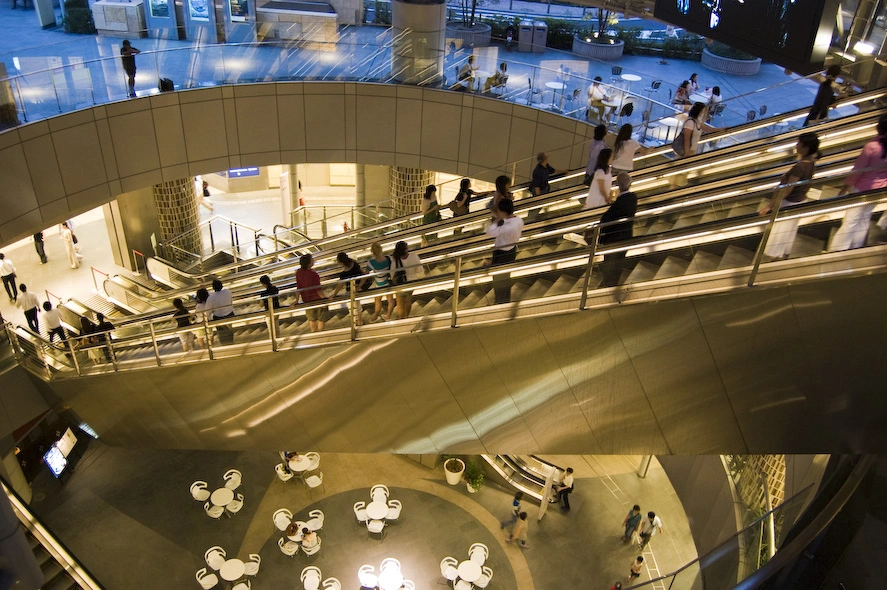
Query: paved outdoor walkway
(128, 515)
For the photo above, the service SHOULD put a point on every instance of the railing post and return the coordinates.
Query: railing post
(771, 532)
(759, 255)
(208, 337)
(272, 324)
(112, 353)
(154, 343)
(212, 241)
(456, 276)
(256, 241)
(70, 343)
(353, 223)
(352, 301)
(323, 222)
(39, 346)
(589, 267)
(233, 247)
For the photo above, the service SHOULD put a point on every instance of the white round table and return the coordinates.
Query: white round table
(299, 463)
(298, 536)
(390, 579)
(631, 78)
(554, 87)
(222, 497)
(699, 97)
(232, 570)
(377, 510)
(469, 571)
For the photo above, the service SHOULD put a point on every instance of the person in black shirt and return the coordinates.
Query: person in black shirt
(103, 333)
(624, 207)
(542, 173)
(270, 291)
(38, 245)
(825, 96)
(183, 320)
(127, 56)
(352, 270)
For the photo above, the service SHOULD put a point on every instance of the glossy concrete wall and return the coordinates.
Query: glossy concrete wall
(71, 163)
(794, 369)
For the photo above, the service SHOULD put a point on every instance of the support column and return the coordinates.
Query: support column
(360, 193)
(418, 31)
(290, 195)
(176, 204)
(406, 187)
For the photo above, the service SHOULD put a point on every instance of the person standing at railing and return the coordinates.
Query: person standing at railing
(183, 320)
(792, 190)
(406, 268)
(7, 272)
(380, 266)
(624, 207)
(506, 228)
(221, 302)
(29, 304)
(872, 161)
(310, 291)
(127, 57)
(599, 143)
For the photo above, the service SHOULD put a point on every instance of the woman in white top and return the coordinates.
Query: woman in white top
(601, 181)
(694, 83)
(693, 128)
(624, 150)
(406, 267)
(67, 236)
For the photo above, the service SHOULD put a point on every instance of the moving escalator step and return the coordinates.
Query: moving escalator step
(672, 267)
(642, 271)
(735, 257)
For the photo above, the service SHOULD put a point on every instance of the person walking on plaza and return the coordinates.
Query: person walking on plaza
(29, 304)
(599, 143)
(7, 272)
(563, 490)
(519, 531)
(310, 291)
(649, 527)
(221, 302)
(39, 246)
(634, 571)
(631, 522)
(53, 322)
(506, 228)
(67, 236)
(515, 511)
(128, 57)
(872, 160)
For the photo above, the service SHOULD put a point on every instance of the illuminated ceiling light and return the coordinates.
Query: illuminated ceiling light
(863, 48)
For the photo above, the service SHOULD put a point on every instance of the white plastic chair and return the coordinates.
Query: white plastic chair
(245, 585)
(313, 461)
(206, 580)
(215, 557)
(379, 488)
(316, 522)
(232, 479)
(312, 550)
(448, 568)
(199, 491)
(288, 547)
(311, 577)
(478, 553)
(282, 518)
(484, 579)
(332, 584)
(367, 576)
(235, 505)
(408, 585)
(389, 562)
(394, 508)
(314, 481)
(463, 585)
(375, 527)
(282, 473)
(360, 511)
(214, 511)
(251, 567)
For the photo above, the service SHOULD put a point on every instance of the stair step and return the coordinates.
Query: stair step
(659, 226)
(643, 271)
(686, 221)
(806, 246)
(672, 267)
(538, 289)
(703, 262)
(735, 257)
(562, 285)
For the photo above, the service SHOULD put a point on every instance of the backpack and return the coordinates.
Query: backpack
(399, 277)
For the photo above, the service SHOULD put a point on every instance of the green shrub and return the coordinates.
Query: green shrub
(500, 24)
(78, 17)
(382, 13)
(560, 33)
(723, 50)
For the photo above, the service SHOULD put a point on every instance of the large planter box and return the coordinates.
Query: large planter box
(114, 19)
(477, 36)
(602, 51)
(739, 67)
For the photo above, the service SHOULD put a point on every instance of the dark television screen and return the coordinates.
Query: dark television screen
(792, 33)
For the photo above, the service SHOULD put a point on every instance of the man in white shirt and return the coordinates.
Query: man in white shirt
(28, 302)
(596, 97)
(7, 272)
(506, 227)
(649, 527)
(53, 322)
(564, 489)
(221, 304)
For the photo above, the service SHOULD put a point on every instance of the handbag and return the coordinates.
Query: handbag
(678, 144)
(73, 238)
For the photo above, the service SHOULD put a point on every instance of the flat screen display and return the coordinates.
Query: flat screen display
(238, 10)
(159, 8)
(55, 460)
(792, 33)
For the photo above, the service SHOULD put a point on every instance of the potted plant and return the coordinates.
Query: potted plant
(598, 43)
(723, 58)
(471, 32)
(453, 469)
(474, 477)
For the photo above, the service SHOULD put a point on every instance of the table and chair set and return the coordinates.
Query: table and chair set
(224, 500)
(305, 466)
(471, 573)
(233, 571)
(292, 529)
(390, 576)
(379, 512)
(311, 576)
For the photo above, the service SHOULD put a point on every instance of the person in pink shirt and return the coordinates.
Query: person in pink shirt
(869, 172)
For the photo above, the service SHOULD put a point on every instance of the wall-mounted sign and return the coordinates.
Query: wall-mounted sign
(198, 10)
(160, 8)
(238, 10)
(241, 172)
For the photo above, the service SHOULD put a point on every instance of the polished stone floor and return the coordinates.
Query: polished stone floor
(128, 515)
